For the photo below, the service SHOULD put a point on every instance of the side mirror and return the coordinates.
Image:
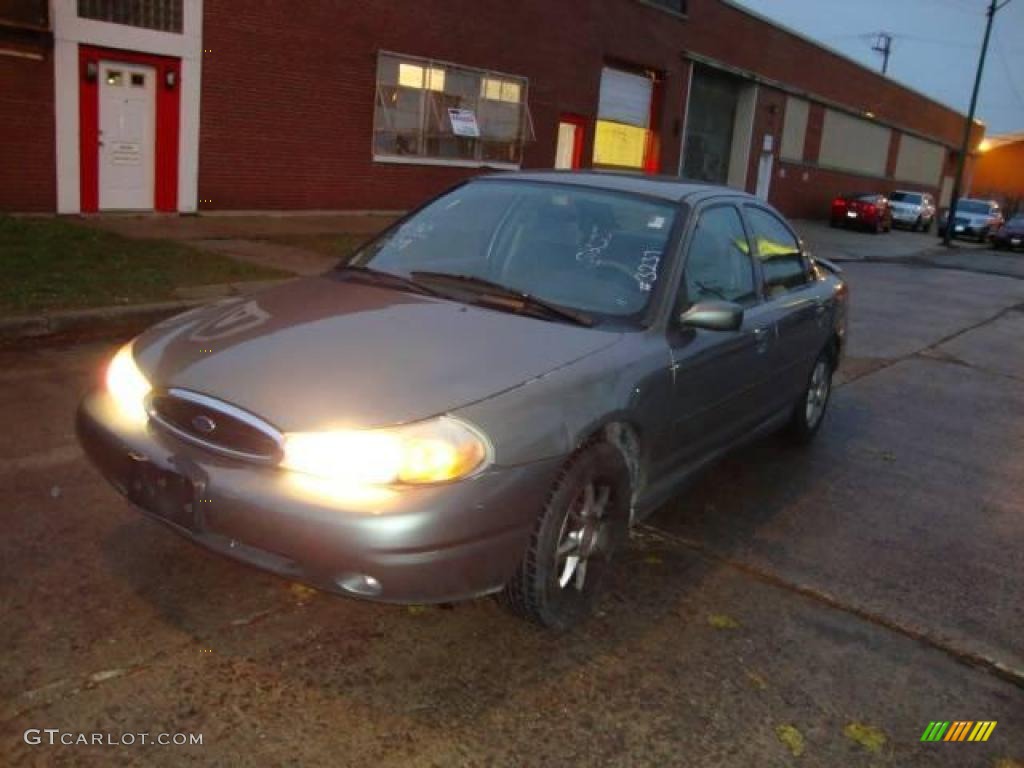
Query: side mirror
(713, 316)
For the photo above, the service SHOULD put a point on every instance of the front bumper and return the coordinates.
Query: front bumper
(905, 217)
(431, 544)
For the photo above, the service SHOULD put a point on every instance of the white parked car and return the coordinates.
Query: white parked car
(912, 209)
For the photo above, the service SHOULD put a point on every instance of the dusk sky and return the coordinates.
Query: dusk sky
(935, 47)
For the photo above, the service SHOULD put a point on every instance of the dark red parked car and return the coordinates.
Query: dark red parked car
(1011, 234)
(868, 211)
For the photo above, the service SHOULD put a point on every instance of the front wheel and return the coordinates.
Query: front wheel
(583, 522)
(809, 411)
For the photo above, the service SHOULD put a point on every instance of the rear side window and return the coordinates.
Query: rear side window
(718, 265)
(778, 251)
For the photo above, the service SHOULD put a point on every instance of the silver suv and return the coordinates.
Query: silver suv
(913, 209)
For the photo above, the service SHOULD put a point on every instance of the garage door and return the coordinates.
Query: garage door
(623, 119)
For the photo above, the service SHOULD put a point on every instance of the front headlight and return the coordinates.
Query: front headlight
(127, 385)
(433, 451)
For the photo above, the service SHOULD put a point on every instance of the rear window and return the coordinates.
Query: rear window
(906, 197)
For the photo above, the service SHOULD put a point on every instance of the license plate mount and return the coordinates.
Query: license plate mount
(164, 493)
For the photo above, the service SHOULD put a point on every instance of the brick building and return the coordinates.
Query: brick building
(999, 171)
(185, 105)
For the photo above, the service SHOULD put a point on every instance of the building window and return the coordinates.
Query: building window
(622, 136)
(32, 14)
(676, 6)
(161, 15)
(432, 111)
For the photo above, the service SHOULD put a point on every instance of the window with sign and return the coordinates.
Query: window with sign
(432, 111)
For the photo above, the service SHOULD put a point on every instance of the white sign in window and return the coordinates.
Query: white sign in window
(464, 123)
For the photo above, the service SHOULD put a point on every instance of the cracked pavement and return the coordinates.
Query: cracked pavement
(867, 585)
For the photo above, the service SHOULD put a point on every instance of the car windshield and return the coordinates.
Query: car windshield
(906, 197)
(973, 206)
(584, 249)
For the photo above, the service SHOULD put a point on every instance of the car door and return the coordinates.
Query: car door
(800, 306)
(718, 376)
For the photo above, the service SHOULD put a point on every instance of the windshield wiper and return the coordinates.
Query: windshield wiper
(379, 276)
(499, 291)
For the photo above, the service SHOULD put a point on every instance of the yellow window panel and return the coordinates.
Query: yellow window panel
(410, 75)
(619, 145)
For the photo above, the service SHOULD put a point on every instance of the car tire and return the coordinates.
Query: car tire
(586, 517)
(983, 236)
(926, 226)
(809, 411)
(917, 225)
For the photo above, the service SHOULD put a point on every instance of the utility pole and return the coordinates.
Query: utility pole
(947, 235)
(883, 44)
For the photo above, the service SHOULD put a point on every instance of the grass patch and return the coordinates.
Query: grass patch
(48, 264)
(338, 246)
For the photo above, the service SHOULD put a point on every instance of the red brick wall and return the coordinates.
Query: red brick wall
(288, 95)
(28, 176)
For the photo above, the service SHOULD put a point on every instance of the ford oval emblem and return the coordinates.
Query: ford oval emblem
(204, 424)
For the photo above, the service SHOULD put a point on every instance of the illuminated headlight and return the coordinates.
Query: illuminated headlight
(127, 385)
(433, 451)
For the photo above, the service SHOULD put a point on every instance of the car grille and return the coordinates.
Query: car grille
(215, 425)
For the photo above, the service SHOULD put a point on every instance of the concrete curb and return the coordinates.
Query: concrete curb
(85, 323)
(97, 322)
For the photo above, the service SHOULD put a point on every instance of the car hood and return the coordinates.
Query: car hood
(325, 352)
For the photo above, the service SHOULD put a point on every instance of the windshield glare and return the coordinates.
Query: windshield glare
(591, 250)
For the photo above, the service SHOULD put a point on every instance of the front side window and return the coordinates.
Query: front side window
(777, 250)
(438, 111)
(718, 265)
(590, 250)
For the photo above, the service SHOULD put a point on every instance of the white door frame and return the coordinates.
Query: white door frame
(69, 31)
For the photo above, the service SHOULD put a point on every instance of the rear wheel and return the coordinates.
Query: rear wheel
(809, 411)
(917, 225)
(585, 519)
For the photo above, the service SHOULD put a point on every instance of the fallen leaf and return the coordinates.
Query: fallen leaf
(791, 738)
(301, 592)
(869, 737)
(652, 560)
(416, 610)
(1008, 762)
(757, 681)
(721, 621)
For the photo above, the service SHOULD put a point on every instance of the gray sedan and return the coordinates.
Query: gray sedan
(486, 397)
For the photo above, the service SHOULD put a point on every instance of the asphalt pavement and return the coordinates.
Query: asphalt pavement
(815, 607)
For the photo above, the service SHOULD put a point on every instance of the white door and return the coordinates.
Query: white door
(127, 136)
(566, 149)
(764, 174)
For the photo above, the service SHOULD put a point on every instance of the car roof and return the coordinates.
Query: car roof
(671, 188)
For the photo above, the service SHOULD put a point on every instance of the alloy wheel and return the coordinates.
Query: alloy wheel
(817, 394)
(584, 535)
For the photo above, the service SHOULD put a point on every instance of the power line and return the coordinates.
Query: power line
(1007, 70)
